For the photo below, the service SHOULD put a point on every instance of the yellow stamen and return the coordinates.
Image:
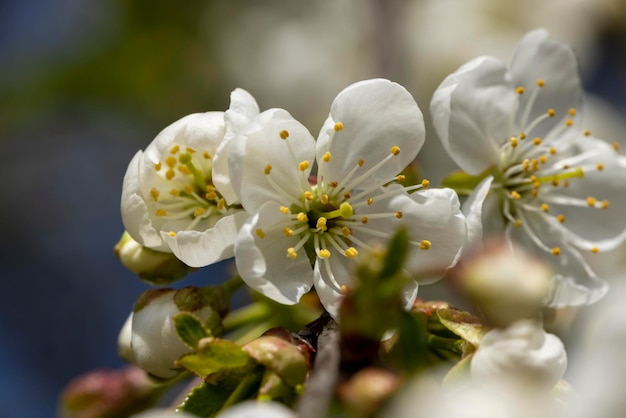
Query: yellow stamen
(211, 196)
(345, 231)
(399, 214)
(291, 253)
(170, 161)
(288, 231)
(321, 224)
(370, 201)
(569, 122)
(361, 162)
(198, 212)
(556, 251)
(552, 150)
(425, 244)
(572, 111)
(537, 141)
(519, 90)
(600, 166)
(174, 149)
(395, 150)
(220, 204)
(513, 142)
(175, 192)
(324, 199)
(515, 195)
(184, 169)
(351, 252)
(586, 132)
(333, 184)
(545, 207)
(324, 253)
(260, 233)
(595, 250)
(154, 193)
(284, 134)
(303, 165)
(301, 217)
(206, 155)
(551, 113)
(338, 126)
(188, 189)
(540, 83)
(522, 136)
(285, 210)
(615, 146)
(591, 201)
(327, 156)
(171, 234)
(190, 150)
(308, 195)
(604, 204)
(518, 223)
(425, 183)
(364, 220)
(169, 174)
(161, 212)
(561, 218)
(268, 169)
(157, 166)
(400, 177)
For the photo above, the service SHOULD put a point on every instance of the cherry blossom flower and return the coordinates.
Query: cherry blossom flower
(176, 195)
(547, 182)
(304, 232)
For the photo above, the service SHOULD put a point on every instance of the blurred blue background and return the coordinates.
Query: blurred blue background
(85, 84)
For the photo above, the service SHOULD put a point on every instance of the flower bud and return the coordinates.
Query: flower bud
(154, 340)
(505, 282)
(107, 393)
(154, 267)
(279, 356)
(521, 354)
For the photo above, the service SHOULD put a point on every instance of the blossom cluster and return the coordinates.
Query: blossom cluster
(345, 221)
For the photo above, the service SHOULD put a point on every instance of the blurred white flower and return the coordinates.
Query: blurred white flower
(548, 183)
(257, 409)
(176, 196)
(374, 130)
(154, 341)
(163, 413)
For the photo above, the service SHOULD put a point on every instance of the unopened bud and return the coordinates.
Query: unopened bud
(279, 356)
(154, 267)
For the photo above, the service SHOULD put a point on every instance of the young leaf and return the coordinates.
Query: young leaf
(190, 329)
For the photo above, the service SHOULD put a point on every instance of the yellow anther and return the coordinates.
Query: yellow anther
(198, 212)
(338, 126)
(206, 155)
(324, 199)
(324, 253)
(301, 217)
(604, 204)
(591, 201)
(321, 223)
(327, 156)
(171, 161)
(545, 207)
(157, 166)
(565, 166)
(569, 122)
(395, 150)
(361, 162)
(560, 218)
(519, 90)
(522, 136)
(586, 132)
(303, 165)
(556, 251)
(210, 188)
(425, 183)
(533, 178)
(283, 134)
(513, 142)
(268, 169)
(518, 223)
(552, 150)
(333, 184)
(515, 195)
(175, 192)
(400, 177)
(595, 250)
(291, 253)
(174, 149)
(220, 204)
(572, 111)
(285, 210)
(425, 244)
(154, 193)
(169, 174)
(565, 184)
(344, 288)
(260, 233)
(615, 146)
(543, 159)
(536, 184)
(347, 195)
(537, 141)
(551, 113)
(211, 196)
(399, 214)
(540, 83)
(171, 234)
(187, 189)
(351, 252)
(190, 150)
(600, 166)
(364, 220)
(555, 183)
(161, 212)
(370, 201)
(534, 193)
(308, 195)
(288, 231)
(345, 231)
(184, 169)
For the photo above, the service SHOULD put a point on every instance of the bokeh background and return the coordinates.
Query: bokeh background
(85, 84)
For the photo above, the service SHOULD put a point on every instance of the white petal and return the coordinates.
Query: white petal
(251, 152)
(539, 57)
(341, 269)
(243, 109)
(376, 115)
(263, 263)
(135, 214)
(257, 409)
(473, 210)
(201, 248)
(472, 113)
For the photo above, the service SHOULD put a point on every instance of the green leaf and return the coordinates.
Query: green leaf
(206, 400)
(459, 371)
(216, 358)
(463, 324)
(190, 329)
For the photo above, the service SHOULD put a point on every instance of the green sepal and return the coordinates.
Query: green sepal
(217, 358)
(463, 324)
(206, 400)
(409, 350)
(459, 371)
(463, 183)
(190, 329)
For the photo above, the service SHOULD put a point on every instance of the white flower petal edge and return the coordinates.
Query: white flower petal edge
(170, 201)
(305, 232)
(549, 173)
